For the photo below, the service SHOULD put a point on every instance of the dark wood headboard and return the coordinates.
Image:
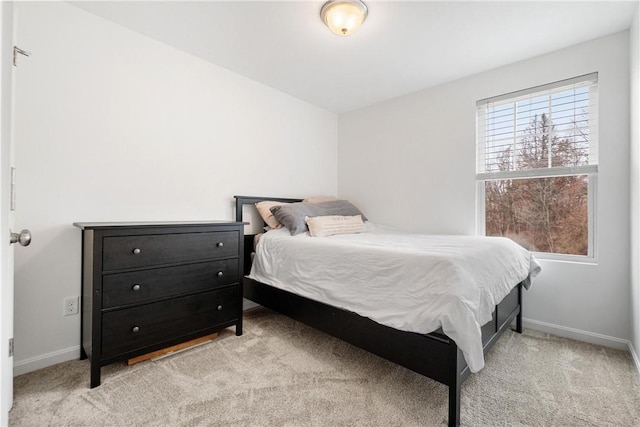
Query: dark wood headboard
(248, 238)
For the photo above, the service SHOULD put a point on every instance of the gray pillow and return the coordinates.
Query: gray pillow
(292, 215)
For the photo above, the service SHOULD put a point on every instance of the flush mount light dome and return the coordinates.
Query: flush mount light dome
(344, 17)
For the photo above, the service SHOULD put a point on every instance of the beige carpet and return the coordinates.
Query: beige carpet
(282, 373)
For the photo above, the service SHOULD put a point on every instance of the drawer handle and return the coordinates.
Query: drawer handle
(219, 244)
(136, 251)
(219, 308)
(220, 274)
(136, 287)
(135, 329)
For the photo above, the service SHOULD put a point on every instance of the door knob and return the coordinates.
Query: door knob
(24, 238)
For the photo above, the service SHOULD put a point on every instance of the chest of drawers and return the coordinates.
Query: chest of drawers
(148, 286)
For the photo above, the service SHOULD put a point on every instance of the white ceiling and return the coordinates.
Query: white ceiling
(401, 48)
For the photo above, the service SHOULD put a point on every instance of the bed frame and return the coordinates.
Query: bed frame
(433, 355)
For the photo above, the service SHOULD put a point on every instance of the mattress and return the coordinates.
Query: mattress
(411, 282)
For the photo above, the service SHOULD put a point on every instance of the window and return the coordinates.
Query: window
(537, 165)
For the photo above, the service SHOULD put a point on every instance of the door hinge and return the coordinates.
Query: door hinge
(17, 51)
(10, 347)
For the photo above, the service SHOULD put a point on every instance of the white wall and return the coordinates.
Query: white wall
(634, 51)
(111, 125)
(410, 162)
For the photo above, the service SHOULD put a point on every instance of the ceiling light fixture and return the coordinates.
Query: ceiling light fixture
(344, 17)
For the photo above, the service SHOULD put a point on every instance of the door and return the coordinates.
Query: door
(7, 238)
(6, 251)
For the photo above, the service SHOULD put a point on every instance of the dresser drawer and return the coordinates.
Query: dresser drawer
(146, 285)
(147, 250)
(135, 328)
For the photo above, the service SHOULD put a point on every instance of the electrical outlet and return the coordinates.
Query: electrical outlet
(70, 306)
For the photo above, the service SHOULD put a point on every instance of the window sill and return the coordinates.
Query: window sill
(573, 259)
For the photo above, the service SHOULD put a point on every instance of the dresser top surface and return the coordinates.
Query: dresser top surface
(143, 224)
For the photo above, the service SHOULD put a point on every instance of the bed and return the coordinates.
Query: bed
(432, 353)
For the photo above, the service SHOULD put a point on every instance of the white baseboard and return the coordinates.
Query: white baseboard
(634, 355)
(577, 334)
(45, 360)
(580, 335)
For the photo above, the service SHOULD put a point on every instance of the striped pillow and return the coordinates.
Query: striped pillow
(324, 226)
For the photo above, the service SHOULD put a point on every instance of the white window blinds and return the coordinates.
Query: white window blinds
(549, 130)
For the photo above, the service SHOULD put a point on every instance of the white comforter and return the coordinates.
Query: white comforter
(411, 282)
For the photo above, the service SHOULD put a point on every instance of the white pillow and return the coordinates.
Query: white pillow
(265, 212)
(324, 226)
